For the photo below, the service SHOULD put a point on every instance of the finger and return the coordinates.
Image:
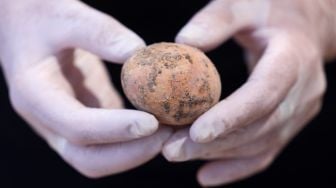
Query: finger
(270, 82)
(223, 172)
(221, 19)
(276, 129)
(94, 31)
(228, 171)
(252, 148)
(101, 160)
(180, 147)
(42, 95)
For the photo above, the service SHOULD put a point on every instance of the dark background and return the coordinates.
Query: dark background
(25, 160)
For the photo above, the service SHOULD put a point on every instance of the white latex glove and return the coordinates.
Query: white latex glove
(285, 43)
(66, 94)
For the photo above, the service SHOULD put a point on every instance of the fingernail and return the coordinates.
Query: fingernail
(145, 127)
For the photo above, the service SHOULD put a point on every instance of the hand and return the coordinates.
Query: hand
(65, 93)
(285, 43)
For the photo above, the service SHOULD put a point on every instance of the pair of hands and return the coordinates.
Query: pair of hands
(65, 94)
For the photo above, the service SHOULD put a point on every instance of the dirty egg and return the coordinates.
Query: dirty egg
(174, 82)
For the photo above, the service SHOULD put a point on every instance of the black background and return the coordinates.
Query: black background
(25, 160)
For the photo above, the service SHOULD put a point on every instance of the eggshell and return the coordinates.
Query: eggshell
(175, 82)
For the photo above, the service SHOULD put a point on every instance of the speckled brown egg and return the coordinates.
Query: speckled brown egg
(176, 83)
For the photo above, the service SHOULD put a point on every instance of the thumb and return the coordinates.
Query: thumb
(98, 33)
(221, 19)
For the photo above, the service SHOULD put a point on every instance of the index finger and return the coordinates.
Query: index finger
(269, 83)
(42, 95)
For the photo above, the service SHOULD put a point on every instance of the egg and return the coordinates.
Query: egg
(174, 82)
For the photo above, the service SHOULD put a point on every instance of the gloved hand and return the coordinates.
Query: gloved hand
(285, 43)
(65, 93)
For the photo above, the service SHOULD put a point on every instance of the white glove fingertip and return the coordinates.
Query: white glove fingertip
(191, 35)
(144, 127)
(204, 129)
(202, 134)
(126, 46)
(204, 178)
